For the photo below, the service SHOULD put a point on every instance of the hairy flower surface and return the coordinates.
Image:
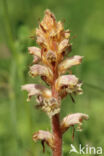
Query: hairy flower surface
(68, 84)
(68, 63)
(36, 52)
(44, 136)
(35, 89)
(72, 120)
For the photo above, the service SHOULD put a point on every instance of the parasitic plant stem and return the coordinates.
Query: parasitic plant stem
(57, 151)
(56, 129)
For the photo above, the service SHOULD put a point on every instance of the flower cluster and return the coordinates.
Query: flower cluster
(50, 63)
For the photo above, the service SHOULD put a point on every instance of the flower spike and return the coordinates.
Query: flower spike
(50, 62)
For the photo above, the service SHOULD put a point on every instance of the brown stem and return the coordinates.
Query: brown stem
(57, 135)
(57, 151)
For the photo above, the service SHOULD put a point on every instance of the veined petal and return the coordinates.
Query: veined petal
(69, 83)
(63, 66)
(44, 136)
(63, 45)
(41, 40)
(73, 119)
(35, 51)
(35, 89)
(42, 71)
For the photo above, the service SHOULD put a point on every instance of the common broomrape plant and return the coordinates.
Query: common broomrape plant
(50, 63)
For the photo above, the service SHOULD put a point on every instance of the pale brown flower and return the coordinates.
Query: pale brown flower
(68, 63)
(35, 89)
(44, 136)
(72, 120)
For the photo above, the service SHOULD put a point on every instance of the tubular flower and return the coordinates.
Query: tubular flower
(36, 52)
(68, 84)
(35, 89)
(44, 136)
(68, 63)
(50, 65)
(72, 120)
(44, 71)
(44, 98)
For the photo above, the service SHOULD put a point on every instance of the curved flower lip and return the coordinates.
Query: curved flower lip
(68, 63)
(44, 136)
(42, 71)
(35, 51)
(35, 89)
(73, 119)
(66, 80)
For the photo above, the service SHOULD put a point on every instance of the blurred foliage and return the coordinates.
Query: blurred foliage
(18, 119)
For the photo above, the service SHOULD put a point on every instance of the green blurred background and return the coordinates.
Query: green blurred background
(19, 119)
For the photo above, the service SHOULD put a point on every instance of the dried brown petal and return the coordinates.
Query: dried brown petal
(35, 89)
(73, 119)
(36, 52)
(51, 57)
(48, 21)
(68, 63)
(44, 136)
